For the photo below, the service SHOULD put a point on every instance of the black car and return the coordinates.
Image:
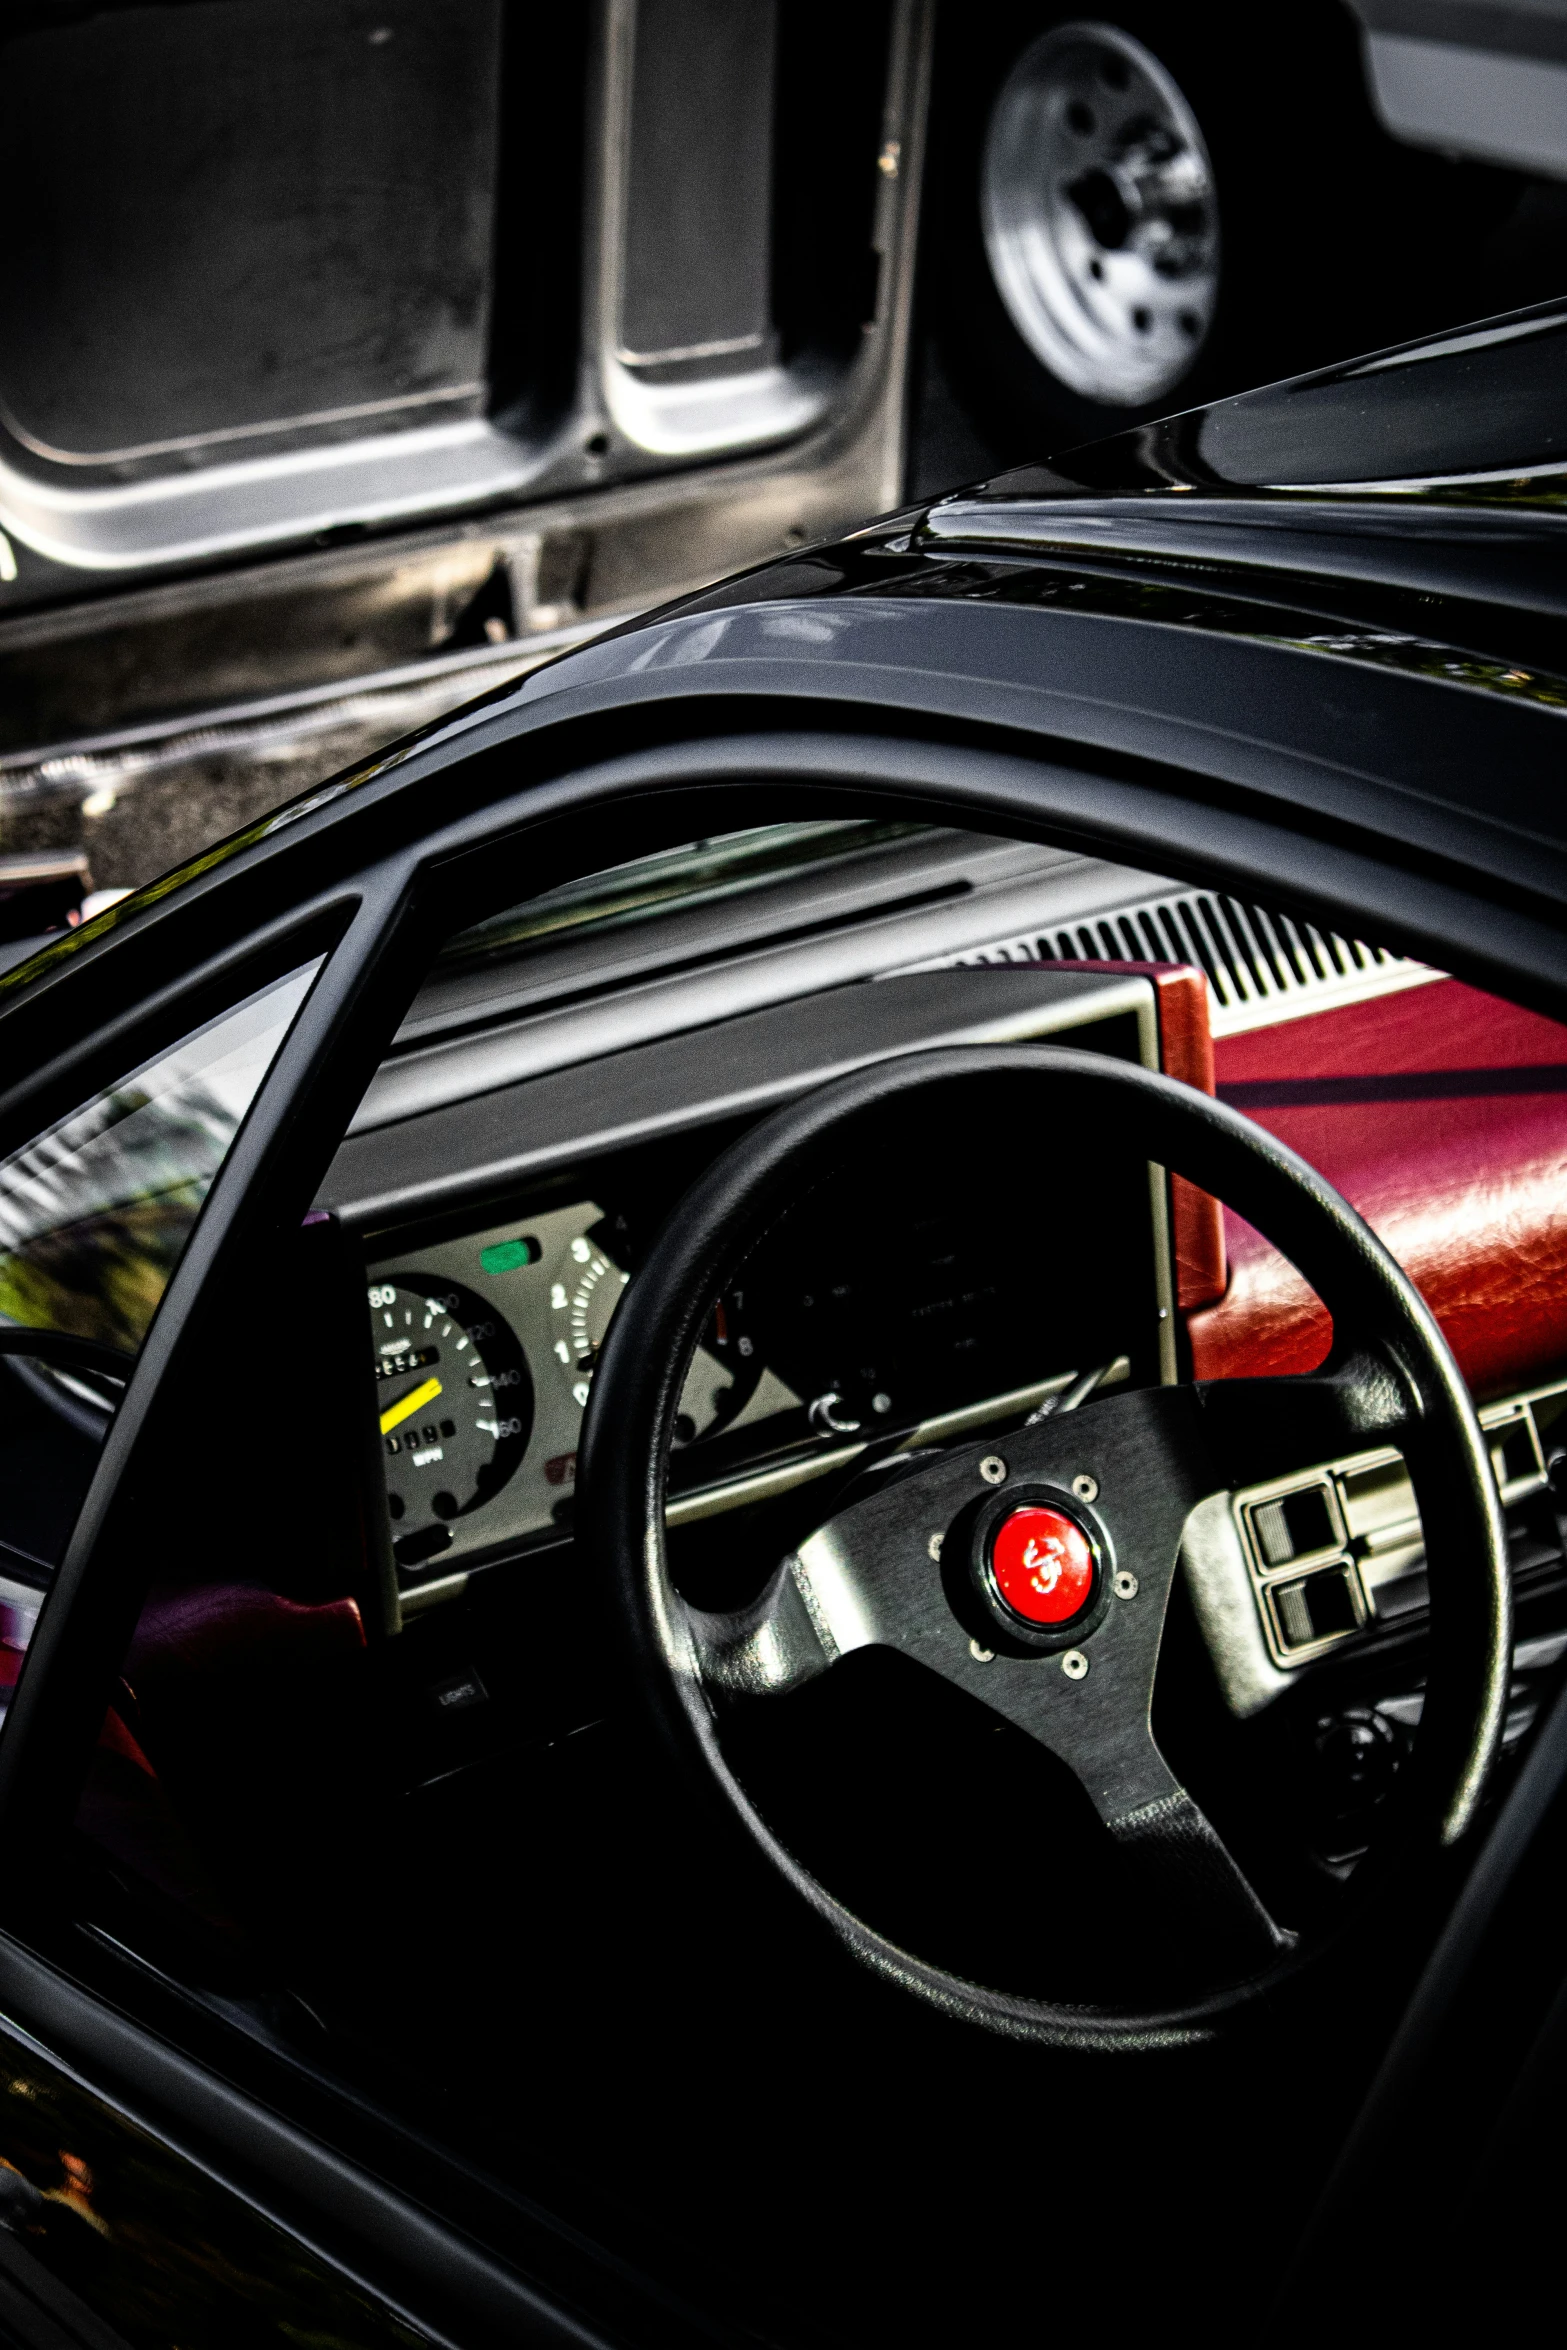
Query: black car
(862, 1718)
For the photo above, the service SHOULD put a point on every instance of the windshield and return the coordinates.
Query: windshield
(698, 871)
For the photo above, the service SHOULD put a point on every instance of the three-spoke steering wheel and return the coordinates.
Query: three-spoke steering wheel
(1034, 1572)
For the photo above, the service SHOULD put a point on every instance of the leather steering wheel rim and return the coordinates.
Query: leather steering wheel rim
(1390, 1378)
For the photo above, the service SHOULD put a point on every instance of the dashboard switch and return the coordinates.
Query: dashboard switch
(458, 1692)
(1323, 1606)
(1295, 1525)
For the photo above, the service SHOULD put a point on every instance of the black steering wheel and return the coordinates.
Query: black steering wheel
(1034, 1571)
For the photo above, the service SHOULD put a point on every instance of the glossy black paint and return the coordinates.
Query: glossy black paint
(1476, 414)
(1418, 493)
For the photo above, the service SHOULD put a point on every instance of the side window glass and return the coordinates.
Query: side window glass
(94, 1215)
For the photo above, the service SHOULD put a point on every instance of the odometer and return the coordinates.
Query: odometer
(456, 1401)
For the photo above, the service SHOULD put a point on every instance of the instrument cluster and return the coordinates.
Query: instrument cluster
(484, 1350)
(861, 1318)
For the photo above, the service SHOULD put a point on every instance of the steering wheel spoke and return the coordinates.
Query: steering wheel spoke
(1201, 1889)
(1192, 1881)
(911, 1567)
(818, 1605)
(764, 1650)
(904, 1569)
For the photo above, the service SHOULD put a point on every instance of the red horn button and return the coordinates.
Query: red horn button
(1043, 1566)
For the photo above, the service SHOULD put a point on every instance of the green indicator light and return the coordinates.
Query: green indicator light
(504, 1256)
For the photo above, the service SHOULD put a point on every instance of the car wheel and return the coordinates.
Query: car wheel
(1100, 216)
(1133, 212)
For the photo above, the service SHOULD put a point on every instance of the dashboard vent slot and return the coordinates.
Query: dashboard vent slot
(1262, 967)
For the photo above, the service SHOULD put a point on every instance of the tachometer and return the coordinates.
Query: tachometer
(456, 1401)
(580, 1310)
(709, 1404)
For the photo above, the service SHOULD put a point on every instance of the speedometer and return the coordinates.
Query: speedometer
(456, 1401)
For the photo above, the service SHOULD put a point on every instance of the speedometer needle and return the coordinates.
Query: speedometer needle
(406, 1407)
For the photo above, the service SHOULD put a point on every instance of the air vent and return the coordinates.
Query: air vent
(1261, 967)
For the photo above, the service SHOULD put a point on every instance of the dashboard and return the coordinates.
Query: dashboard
(926, 1287)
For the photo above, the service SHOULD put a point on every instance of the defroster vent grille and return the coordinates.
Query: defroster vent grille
(1262, 967)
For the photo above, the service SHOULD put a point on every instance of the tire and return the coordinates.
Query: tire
(1295, 232)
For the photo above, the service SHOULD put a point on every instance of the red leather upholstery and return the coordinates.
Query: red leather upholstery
(213, 1678)
(234, 1627)
(1441, 1113)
